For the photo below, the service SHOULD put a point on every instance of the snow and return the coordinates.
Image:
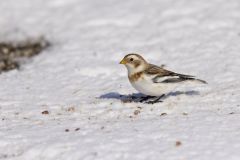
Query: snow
(78, 80)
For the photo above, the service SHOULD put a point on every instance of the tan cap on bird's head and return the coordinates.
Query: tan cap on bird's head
(134, 62)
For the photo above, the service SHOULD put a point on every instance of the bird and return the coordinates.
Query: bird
(154, 81)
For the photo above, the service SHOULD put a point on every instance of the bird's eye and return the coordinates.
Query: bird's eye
(131, 59)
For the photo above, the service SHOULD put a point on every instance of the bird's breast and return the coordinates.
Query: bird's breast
(144, 85)
(136, 77)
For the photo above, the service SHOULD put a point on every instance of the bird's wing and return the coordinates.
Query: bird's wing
(162, 75)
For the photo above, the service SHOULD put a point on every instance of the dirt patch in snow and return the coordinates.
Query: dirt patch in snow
(12, 52)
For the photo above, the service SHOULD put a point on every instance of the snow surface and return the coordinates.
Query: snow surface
(78, 80)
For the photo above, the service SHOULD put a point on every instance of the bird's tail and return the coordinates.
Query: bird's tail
(195, 80)
(201, 81)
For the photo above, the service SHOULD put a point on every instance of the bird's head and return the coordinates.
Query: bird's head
(134, 63)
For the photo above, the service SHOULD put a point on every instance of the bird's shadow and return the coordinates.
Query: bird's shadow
(136, 97)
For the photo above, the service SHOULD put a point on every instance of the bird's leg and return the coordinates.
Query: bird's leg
(156, 100)
(145, 98)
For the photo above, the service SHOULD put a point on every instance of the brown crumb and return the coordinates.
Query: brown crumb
(178, 143)
(130, 116)
(136, 112)
(127, 101)
(45, 112)
(77, 129)
(184, 113)
(163, 114)
(231, 113)
(66, 130)
(102, 127)
(71, 109)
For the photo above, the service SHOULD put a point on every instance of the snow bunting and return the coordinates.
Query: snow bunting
(152, 80)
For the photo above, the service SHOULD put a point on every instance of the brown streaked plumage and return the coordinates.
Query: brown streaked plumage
(135, 77)
(134, 54)
(137, 63)
(173, 77)
(155, 70)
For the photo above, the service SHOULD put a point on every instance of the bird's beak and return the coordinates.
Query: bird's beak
(123, 61)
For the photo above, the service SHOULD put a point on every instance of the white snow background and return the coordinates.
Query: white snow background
(78, 80)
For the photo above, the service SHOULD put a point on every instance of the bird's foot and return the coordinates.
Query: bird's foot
(157, 100)
(143, 99)
(153, 102)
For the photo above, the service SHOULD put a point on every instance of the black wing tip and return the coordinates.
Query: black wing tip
(181, 75)
(185, 76)
(192, 78)
(202, 81)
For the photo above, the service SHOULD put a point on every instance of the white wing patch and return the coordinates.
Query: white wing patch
(159, 79)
